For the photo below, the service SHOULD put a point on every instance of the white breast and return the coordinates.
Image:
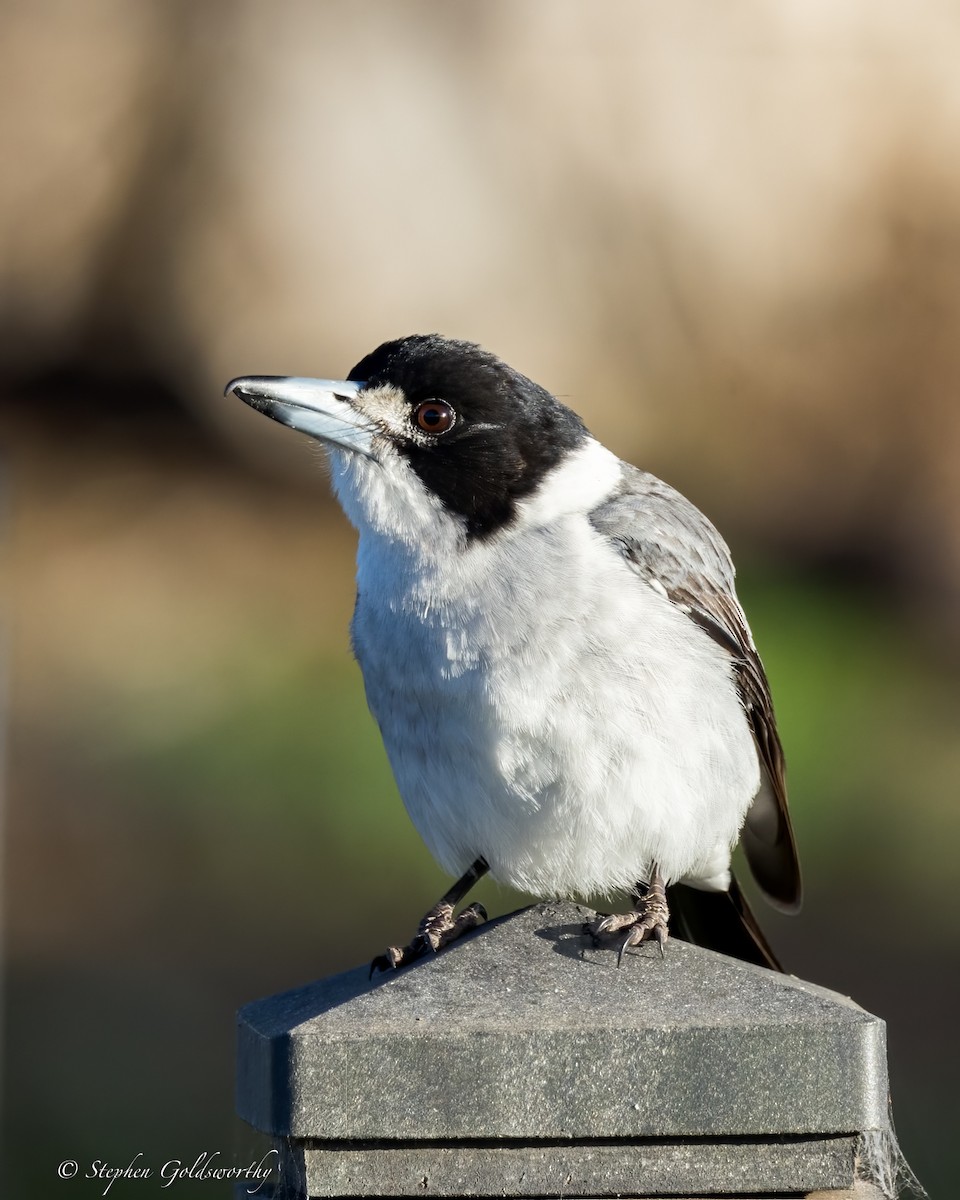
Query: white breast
(544, 708)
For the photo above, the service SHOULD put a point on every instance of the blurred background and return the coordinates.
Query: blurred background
(728, 235)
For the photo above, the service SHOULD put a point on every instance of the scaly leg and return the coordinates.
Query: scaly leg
(648, 920)
(439, 926)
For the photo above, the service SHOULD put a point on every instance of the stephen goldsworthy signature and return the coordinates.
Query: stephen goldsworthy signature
(204, 1166)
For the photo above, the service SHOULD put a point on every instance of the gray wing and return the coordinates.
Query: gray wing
(673, 547)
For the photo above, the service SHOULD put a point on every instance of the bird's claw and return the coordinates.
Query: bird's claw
(649, 921)
(650, 928)
(437, 929)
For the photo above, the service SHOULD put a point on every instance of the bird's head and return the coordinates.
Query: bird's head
(427, 435)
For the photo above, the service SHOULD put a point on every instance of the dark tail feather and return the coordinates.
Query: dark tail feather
(720, 921)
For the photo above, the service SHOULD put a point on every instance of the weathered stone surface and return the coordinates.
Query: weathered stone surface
(859, 1191)
(525, 1031)
(617, 1168)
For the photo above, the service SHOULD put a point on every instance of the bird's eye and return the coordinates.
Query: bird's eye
(434, 416)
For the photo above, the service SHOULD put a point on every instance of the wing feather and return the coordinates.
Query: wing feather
(674, 548)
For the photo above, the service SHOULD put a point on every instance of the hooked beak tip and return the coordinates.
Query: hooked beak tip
(321, 408)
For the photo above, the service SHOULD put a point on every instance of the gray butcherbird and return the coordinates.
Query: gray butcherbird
(553, 649)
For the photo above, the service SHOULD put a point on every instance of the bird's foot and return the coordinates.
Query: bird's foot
(648, 921)
(437, 929)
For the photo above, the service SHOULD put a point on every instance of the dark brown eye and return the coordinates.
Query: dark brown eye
(434, 416)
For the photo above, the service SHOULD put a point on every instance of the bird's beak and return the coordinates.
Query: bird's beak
(321, 408)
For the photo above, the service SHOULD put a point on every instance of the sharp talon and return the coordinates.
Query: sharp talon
(631, 939)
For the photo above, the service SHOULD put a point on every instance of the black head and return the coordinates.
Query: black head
(482, 436)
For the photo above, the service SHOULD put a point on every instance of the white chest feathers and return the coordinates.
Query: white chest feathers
(544, 708)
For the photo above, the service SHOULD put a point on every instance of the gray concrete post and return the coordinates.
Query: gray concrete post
(521, 1062)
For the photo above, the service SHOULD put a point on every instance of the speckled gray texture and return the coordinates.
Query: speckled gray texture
(647, 1168)
(523, 1030)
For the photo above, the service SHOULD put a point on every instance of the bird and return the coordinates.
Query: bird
(551, 644)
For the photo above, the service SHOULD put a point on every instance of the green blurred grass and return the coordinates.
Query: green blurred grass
(869, 722)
